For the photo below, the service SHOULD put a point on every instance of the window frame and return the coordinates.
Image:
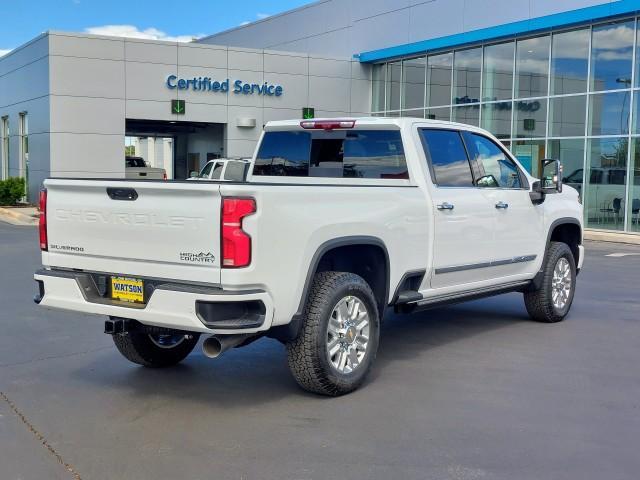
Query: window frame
(524, 182)
(427, 154)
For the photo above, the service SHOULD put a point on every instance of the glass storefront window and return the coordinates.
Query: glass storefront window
(633, 212)
(438, 113)
(378, 86)
(570, 152)
(530, 154)
(532, 67)
(530, 118)
(567, 116)
(469, 114)
(604, 190)
(611, 56)
(496, 117)
(439, 79)
(569, 62)
(418, 113)
(413, 84)
(609, 113)
(393, 85)
(467, 65)
(497, 80)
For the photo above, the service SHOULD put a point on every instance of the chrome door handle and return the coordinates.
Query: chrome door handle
(502, 205)
(445, 206)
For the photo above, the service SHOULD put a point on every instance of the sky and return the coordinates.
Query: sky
(176, 20)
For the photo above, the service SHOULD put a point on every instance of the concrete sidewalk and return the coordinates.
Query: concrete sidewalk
(19, 215)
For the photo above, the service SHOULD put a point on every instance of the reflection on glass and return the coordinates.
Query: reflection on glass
(438, 113)
(413, 83)
(633, 212)
(611, 56)
(439, 79)
(604, 191)
(568, 116)
(530, 118)
(469, 114)
(530, 154)
(497, 82)
(636, 111)
(571, 156)
(393, 86)
(496, 117)
(609, 113)
(532, 66)
(466, 76)
(418, 113)
(569, 62)
(378, 86)
(448, 158)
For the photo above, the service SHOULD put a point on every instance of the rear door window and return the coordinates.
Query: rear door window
(375, 154)
(447, 158)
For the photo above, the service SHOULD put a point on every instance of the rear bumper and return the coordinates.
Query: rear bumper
(181, 307)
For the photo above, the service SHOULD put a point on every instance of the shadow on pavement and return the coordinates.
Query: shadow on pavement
(258, 373)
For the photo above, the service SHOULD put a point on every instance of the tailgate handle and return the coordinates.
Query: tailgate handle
(126, 194)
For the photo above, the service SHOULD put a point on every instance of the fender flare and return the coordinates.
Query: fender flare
(290, 331)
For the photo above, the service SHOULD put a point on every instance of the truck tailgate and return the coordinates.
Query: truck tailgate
(150, 229)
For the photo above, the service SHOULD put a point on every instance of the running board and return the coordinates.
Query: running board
(450, 299)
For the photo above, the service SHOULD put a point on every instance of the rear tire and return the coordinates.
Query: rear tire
(153, 350)
(552, 301)
(338, 341)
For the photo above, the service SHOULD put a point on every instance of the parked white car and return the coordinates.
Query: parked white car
(338, 220)
(225, 169)
(137, 168)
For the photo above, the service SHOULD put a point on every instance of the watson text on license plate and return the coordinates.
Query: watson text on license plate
(127, 289)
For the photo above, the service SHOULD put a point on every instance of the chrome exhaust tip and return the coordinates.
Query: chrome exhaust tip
(215, 345)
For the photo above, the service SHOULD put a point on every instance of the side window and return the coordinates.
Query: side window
(495, 168)
(206, 170)
(448, 158)
(217, 171)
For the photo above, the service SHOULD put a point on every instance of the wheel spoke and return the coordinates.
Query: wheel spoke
(333, 347)
(353, 358)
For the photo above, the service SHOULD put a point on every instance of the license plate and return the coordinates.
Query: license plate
(127, 289)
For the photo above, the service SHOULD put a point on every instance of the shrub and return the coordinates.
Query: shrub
(11, 190)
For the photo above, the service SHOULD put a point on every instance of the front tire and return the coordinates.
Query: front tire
(155, 350)
(552, 301)
(338, 341)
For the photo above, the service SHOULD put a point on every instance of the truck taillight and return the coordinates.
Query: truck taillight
(236, 243)
(42, 224)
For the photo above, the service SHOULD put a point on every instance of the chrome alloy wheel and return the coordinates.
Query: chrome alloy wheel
(348, 334)
(166, 341)
(561, 284)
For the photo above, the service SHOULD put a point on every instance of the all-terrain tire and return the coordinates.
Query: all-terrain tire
(539, 303)
(138, 347)
(308, 355)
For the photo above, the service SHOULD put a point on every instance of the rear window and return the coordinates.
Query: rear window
(135, 162)
(336, 154)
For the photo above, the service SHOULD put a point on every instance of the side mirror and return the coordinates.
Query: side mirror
(193, 174)
(537, 193)
(147, 164)
(551, 176)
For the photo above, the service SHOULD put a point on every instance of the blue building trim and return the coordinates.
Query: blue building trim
(522, 27)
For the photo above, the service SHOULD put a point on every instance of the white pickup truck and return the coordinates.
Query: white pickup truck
(338, 220)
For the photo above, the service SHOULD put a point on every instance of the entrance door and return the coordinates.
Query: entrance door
(464, 218)
(519, 224)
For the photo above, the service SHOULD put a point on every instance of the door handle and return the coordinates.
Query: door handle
(502, 205)
(445, 206)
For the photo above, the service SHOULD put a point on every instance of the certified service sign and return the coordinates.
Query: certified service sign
(238, 87)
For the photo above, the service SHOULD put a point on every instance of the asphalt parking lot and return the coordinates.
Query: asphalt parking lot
(476, 391)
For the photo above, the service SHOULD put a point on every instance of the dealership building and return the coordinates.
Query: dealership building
(548, 78)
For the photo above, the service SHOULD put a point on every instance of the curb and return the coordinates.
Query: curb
(10, 215)
(614, 237)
